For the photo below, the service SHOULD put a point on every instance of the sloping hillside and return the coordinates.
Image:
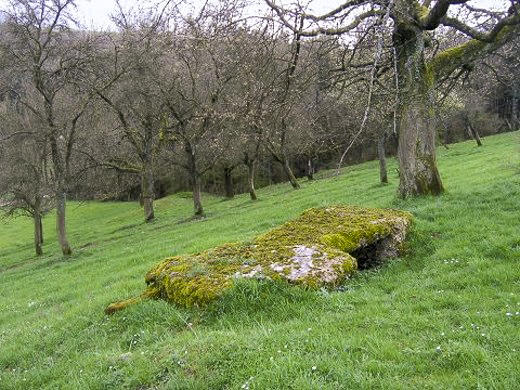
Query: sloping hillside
(444, 316)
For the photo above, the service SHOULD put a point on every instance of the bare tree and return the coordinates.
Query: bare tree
(253, 98)
(287, 89)
(419, 66)
(197, 87)
(25, 187)
(131, 73)
(51, 60)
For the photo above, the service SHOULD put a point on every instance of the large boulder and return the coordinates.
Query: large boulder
(321, 248)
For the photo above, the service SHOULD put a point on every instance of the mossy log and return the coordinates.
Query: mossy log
(321, 248)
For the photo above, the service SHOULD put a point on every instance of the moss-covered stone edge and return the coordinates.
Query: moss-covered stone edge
(311, 250)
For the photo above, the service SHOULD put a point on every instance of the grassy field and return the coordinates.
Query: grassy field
(446, 316)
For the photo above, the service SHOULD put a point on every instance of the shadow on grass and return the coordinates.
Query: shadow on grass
(127, 227)
(12, 251)
(35, 263)
(195, 218)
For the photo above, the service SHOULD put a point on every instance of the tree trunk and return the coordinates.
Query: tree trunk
(288, 171)
(148, 191)
(418, 173)
(310, 170)
(197, 204)
(381, 154)
(195, 179)
(38, 231)
(514, 106)
(228, 183)
(251, 163)
(472, 131)
(61, 229)
(147, 176)
(61, 198)
(284, 162)
(41, 230)
(283, 159)
(251, 168)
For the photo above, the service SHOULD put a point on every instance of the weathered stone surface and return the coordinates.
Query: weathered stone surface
(321, 248)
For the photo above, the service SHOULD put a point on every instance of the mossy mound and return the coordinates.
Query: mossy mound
(321, 248)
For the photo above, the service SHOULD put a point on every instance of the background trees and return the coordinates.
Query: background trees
(129, 76)
(419, 66)
(500, 84)
(25, 180)
(197, 88)
(184, 100)
(46, 62)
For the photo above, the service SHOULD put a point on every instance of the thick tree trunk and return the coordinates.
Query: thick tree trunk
(381, 154)
(228, 183)
(38, 231)
(418, 173)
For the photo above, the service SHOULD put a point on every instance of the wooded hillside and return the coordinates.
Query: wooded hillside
(223, 101)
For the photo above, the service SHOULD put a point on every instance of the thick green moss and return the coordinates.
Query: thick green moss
(451, 58)
(312, 251)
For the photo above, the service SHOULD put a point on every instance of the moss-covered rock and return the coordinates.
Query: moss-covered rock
(321, 248)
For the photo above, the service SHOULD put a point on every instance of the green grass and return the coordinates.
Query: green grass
(435, 319)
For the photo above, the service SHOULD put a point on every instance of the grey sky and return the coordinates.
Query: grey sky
(96, 12)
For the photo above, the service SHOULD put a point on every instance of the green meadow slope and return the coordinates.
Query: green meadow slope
(445, 316)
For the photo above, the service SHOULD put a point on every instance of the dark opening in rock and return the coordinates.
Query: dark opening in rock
(375, 254)
(369, 256)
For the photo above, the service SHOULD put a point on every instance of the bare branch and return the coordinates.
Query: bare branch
(373, 74)
(489, 37)
(432, 20)
(322, 30)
